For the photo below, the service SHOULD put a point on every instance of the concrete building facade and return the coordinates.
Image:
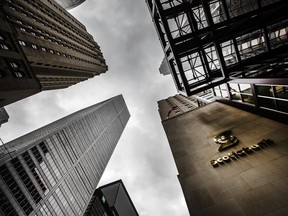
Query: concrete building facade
(55, 170)
(43, 47)
(179, 104)
(249, 178)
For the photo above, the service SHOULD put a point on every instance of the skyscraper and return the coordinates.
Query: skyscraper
(3, 116)
(69, 4)
(43, 47)
(249, 177)
(238, 49)
(55, 170)
(180, 104)
(112, 199)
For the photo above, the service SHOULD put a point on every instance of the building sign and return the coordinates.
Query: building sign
(225, 140)
(234, 155)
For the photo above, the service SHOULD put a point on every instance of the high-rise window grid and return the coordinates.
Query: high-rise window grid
(208, 42)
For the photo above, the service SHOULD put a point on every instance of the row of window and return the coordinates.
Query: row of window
(274, 97)
(15, 190)
(55, 17)
(179, 24)
(51, 51)
(184, 102)
(45, 35)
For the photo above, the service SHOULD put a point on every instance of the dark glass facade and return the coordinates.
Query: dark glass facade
(55, 169)
(224, 44)
(111, 200)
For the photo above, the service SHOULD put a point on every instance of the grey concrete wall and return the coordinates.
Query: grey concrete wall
(256, 184)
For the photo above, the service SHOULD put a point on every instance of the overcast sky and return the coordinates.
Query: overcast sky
(142, 158)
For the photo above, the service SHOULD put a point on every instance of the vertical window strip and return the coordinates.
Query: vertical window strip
(55, 206)
(64, 202)
(15, 189)
(28, 160)
(26, 180)
(71, 197)
(5, 206)
(55, 154)
(75, 190)
(43, 166)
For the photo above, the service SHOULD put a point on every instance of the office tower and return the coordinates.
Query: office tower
(249, 178)
(43, 47)
(3, 116)
(164, 67)
(237, 48)
(69, 4)
(179, 104)
(54, 170)
(112, 199)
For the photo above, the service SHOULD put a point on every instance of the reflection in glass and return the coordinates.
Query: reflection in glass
(265, 90)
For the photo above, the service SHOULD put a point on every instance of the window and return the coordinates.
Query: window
(13, 65)
(22, 43)
(34, 46)
(4, 47)
(15, 189)
(18, 74)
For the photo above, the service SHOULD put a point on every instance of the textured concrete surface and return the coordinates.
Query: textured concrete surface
(255, 184)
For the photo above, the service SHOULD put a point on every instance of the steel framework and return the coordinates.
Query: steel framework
(211, 42)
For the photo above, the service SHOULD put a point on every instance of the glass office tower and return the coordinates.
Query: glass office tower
(111, 199)
(55, 170)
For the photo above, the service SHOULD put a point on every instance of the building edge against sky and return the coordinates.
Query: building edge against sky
(4, 117)
(112, 199)
(69, 4)
(54, 170)
(43, 47)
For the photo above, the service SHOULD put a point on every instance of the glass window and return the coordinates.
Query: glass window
(266, 102)
(265, 90)
(55, 206)
(236, 96)
(18, 74)
(22, 43)
(233, 87)
(15, 189)
(64, 202)
(245, 88)
(281, 91)
(4, 46)
(27, 158)
(26, 180)
(248, 99)
(5, 205)
(282, 106)
(13, 65)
